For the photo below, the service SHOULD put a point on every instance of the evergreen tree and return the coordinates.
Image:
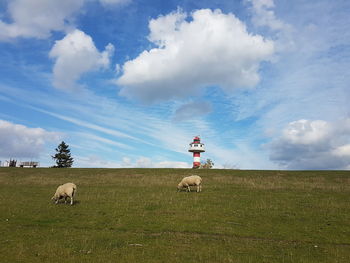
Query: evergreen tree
(63, 157)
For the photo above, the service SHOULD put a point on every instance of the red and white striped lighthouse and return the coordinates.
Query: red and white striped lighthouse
(196, 147)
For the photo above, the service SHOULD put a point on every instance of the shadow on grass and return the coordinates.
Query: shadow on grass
(185, 191)
(68, 203)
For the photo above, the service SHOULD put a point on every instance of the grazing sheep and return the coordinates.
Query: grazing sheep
(65, 191)
(193, 180)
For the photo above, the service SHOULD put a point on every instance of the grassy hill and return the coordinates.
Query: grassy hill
(136, 215)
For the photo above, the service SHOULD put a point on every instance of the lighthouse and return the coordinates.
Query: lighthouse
(196, 147)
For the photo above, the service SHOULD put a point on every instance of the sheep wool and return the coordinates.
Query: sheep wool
(65, 191)
(193, 180)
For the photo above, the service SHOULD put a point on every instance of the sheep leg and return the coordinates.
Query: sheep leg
(71, 200)
(57, 199)
(198, 188)
(189, 188)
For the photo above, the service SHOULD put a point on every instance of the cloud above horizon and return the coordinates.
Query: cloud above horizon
(38, 18)
(317, 144)
(75, 55)
(264, 15)
(19, 141)
(192, 52)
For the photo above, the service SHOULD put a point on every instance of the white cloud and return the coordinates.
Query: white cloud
(264, 14)
(307, 132)
(210, 49)
(342, 151)
(306, 144)
(19, 141)
(75, 55)
(37, 18)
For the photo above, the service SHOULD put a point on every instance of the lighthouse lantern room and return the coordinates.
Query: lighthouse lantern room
(196, 147)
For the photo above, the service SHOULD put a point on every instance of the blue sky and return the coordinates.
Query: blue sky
(129, 83)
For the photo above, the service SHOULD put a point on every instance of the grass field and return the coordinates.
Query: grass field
(136, 215)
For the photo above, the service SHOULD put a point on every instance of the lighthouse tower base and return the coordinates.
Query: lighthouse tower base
(196, 160)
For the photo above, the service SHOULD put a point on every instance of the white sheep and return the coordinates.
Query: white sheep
(193, 180)
(65, 191)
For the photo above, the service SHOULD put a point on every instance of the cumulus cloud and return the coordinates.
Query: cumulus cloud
(75, 55)
(208, 48)
(17, 141)
(318, 144)
(38, 18)
(192, 110)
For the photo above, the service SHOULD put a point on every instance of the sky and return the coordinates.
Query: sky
(129, 83)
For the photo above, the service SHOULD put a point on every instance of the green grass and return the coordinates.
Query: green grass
(136, 215)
